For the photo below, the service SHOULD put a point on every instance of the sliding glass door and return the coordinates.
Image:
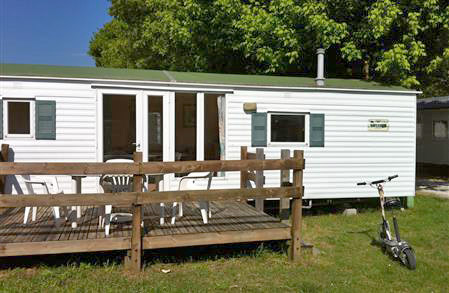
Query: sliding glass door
(165, 126)
(119, 126)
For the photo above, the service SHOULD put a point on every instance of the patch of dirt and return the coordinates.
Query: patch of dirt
(3, 275)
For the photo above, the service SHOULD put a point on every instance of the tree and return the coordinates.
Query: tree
(398, 42)
(169, 34)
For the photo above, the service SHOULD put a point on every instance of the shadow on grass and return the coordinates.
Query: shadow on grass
(212, 252)
(172, 255)
(56, 260)
(377, 242)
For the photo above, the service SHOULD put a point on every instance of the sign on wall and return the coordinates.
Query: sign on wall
(378, 125)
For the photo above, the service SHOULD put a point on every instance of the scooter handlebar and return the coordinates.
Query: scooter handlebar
(379, 181)
(392, 177)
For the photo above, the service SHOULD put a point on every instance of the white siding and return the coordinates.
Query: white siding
(351, 153)
(429, 149)
(76, 139)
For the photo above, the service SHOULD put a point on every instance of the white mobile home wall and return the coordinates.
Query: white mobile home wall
(75, 127)
(351, 152)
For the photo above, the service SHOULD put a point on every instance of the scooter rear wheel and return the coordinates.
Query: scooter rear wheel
(408, 258)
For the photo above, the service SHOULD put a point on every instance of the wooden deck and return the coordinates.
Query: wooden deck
(231, 222)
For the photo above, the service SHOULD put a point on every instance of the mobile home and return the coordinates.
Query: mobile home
(350, 130)
(432, 135)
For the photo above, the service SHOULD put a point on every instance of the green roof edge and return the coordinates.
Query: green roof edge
(57, 71)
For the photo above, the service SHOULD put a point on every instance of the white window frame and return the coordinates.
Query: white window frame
(6, 115)
(433, 130)
(289, 143)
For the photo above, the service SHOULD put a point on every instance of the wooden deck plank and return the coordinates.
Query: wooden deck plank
(33, 227)
(251, 216)
(66, 229)
(22, 230)
(190, 222)
(222, 221)
(152, 219)
(228, 217)
(74, 234)
(193, 221)
(246, 221)
(57, 247)
(99, 233)
(9, 225)
(43, 225)
(83, 223)
(182, 240)
(93, 224)
(181, 225)
(261, 219)
(236, 218)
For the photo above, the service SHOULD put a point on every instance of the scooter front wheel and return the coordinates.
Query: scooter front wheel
(408, 258)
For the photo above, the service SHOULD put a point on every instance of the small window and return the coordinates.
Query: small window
(287, 128)
(440, 129)
(18, 118)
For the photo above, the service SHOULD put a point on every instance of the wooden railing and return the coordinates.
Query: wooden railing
(137, 198)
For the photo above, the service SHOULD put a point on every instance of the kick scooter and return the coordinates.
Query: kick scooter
(396, 247)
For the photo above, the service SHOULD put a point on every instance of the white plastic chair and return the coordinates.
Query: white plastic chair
(114, 183)
(49, 186)
(190, 182)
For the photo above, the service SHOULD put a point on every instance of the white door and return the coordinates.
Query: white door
(135, 120)
(120, 124)
(157, 132)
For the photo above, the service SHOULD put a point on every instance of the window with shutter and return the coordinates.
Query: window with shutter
(259, 129)
(16, 118)
(46, 120)
(317, 130)
(288, 129)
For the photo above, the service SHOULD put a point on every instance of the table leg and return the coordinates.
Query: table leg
(76, 188)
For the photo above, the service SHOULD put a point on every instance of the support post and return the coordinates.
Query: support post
(243, 174)
(284, 203)
(3, 158)
(259, 179)
(135, 261)
(296, 226)
(410, 202)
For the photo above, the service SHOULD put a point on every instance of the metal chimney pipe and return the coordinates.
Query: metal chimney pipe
(320, 68)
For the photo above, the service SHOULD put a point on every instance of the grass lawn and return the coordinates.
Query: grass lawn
(348, 262)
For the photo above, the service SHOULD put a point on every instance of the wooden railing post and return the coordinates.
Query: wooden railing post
(259, 179)
(135, 264)
(243, 174)
(284, 203)
(3, 158)
(295, 247)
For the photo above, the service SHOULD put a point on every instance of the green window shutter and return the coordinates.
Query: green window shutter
(317, 130)
(1, 119)
(259, 129)
(46, 120)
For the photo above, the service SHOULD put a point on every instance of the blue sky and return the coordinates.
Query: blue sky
(53, 32)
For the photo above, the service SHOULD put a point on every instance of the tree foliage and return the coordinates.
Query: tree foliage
(399, 42)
